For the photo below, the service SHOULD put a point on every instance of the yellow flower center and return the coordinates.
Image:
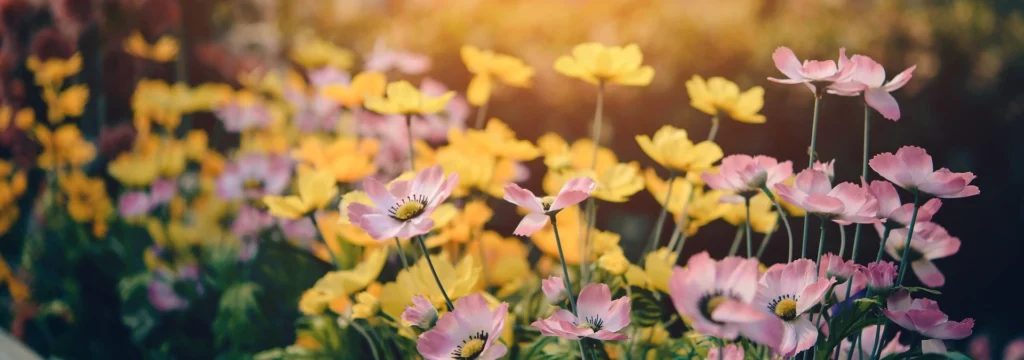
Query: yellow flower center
(585, 325)
(471, 349)
(546, 202)
(408, 210)
(785, 309)
(253, 184)
(714, 302)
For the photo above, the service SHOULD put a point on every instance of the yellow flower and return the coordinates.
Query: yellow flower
(465, 224)
(403, 98)
(496, 139)
(53, 71)
(65, 146)
(596, 63)
(348, 159)
(161, 103)
(505, 259)
(314, 53)
(614, 184)
(559, 155)
(86, 197)
(68, 103)
(571, 227)
(207, 97)
(163, 50)
(487, 64)
(614, 262)
(458, 281)
(654, 335)
(704, 206)
(315, 190)
(348, 282)
(134, 170)
(635, 276)
(364, 85)
(172, 159)
(719, 95)
(671, 148)
(658, 268)
(196, 143)
(23, 119)
(314, 301)
(343, 227)
(366, 306)
(762, 216)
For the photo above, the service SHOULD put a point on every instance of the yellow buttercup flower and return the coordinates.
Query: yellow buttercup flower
(485, 65)
(458, 281)
(614, 262)
(63, 147)
(671, 148)
(403, 98)
(68, 103)
(505, 259)
(86, 197)
(496, 139)
(762, 214)
(23, 119)
(614, 184)
(571, 227)
(172, 159)
(315, 190)
(196, 143)
(559, 155)
(367, 305)
(719, 95)
(704, 206)
(135, 170)
(658, 268)
(348, 282)
(348, 159)
(597, 63)
(53, 71)
(465, 224)
(163, 50)
(364, 85)
(164, 104)
(314, 53)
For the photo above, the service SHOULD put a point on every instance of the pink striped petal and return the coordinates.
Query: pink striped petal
(522, 197)
(573, 192)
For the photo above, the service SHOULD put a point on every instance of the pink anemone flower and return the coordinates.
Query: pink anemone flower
(253, 176)
(134, 204)
(554, 290)
(869, 78)
(911, 168)
(470, 331)
(732, 352)
(789, 291)
(881, 275)
(829, 168)
(867, 344)
(404, 208)
(240, 116)
(844, 204)
(924, 317)
(894, 213)
(748, 174)
(573, 192)
(811, 72)
(421, 313)
(598, 317)
(930, 242)
(833, 266)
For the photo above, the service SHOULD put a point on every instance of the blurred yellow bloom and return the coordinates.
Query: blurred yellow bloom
(458, 281)
(172, 159)
(366, 306)
(571, 227)
(314, 53)
(174, 234)
(364, 85)
(635, 276)
(134, 170)
(504, 258)
(23, 119)
(614, 184)
(658, 268)
(314, 301)
(704, 206)
(671, 148)
(658, 188)
(485, 65)
(12, 186)
(719, 95)
(164, 104)
(163, 50)
(63, 147)
(496, 139)
(614, 262)
(762, 214)
(596, 63)
(196, 143)
(68, 103)
(272, 82)
(403, 98)
(53, 71)
(206, 97)
(344, 283)
(654, 335)
(86, 197)
(465, 224)
(477, 170)
(315, 190)
(347, 159)
(559, 155)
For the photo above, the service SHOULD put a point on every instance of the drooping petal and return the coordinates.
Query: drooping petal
(928, 273)
(951, 330)
(530, 224)
(573, 192)
(900, 79)
(522, 197)
(787, 63)
(884, 102)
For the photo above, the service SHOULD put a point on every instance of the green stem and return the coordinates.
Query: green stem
(807, 226)
(842, 241)
(714, 128)
(881, 244)
(736, 242)
(814, 132)
(656, 234)
(426, 254)
(591, 221)
(597, 124)
(565, 269)
(680, 233)
(401, 254)
(785, 221)
(821, 241)
(408, 133)
(370, 342)
(750, 241)
(481, 114)
(904, 263)
(765, 240)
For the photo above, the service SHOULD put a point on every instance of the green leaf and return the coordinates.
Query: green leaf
(645, 309)
(235, 314)
(914, 289)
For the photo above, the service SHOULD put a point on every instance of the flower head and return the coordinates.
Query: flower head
(828, 168)
(554, 290)
(468, 332)
(811, 72)
(573, 192)
(714, 294)
(597, 63)
(930, 242)
(731, 352)
(744, 173)
(313, 53)
(891, 210)
(403, 98)
(315, 190)
(924, 317)
(421, 313)
(869, 78)
(719, 95)
(403, 209)
(485, 64)
(846, 203)
(671, 148)
(163, 50)
(384, 59)
(245, 111)
(363, 85)
(881, 275)
(789, 291)
(911, 168)
(253, 176)
(832, 265)
(598, 317)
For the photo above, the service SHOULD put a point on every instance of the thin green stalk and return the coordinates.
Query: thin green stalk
(881, 244)
(426, 254)
(591, 220)
(765, 240)
(656, 234)
(481, 114)
(565, 269)
(401, 254)
(736, 242)
(876, 349)
(750, 241)
(598, 113)
(373, 346)
(408, 133)
(682, 224)
(904, 263)
(810, 163)
(785, 221)
(821, 241)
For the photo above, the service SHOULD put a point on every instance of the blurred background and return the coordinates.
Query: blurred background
(965, 104)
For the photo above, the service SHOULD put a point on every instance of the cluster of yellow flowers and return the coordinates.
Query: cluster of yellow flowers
(12, 186)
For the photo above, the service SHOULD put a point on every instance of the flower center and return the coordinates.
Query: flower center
(471, 348)
(594, 323)
(913, 256)
(546, 202)
(708, 303)
(784, 307)
(252, 184)
(408, 208)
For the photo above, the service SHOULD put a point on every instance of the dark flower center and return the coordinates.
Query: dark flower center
(471, 348)
(408, 208)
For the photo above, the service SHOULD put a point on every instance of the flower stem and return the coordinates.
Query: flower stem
(714, 128)
(842, 241)
(591, 221)
(906, 246)
(597, 124)
(371, 343)
(881, 244)
(736, 242)
(821, 241)
(481, 114)
(750, 242)
(679, 235)
(764, 242)
(814, 131)
(401, 254)
(426, 254)
(785, 221)
(863, 176)
(565, 269)
(408, 133)
(656, 234)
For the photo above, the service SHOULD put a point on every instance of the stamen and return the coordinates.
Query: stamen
(408, 208)
(472, 347)
(546, 202)
(784, 307)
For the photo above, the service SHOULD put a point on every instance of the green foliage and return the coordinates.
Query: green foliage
(645, 307)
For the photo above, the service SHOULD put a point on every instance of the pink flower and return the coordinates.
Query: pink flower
(930, 242)
(313, 112)
(743, 173)
(253, 176)
(845, 204)
(162, 191)
(832, 265)
(242, 115)
(867, 344)
(881, 275)
(858, 282)
(134, 204)
(732, 352)
(1014, 350)
(554, 290)
(892, 211)
(789, 291)
(161, 289)
(829, 168)
(328, 75)
(599, 317)
(980, 348)
(573, 192)
(717, 295)
(911, 168)
(869, 78)
(434, 127)
(924, 317)
(250, 222)
(302, 230)
(470, 331)
(404, 208)
(811, 71)
(421, 313)
(383, 59)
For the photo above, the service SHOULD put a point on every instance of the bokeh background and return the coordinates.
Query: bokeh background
(965, 103)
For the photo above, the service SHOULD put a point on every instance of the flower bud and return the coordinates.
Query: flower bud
(554, 290)
(881, 275)
(421, 314)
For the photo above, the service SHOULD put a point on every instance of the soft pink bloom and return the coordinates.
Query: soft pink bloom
(789, 291)
(930, 242)
(161, 289)
(239, 116)
(404, 208)
(881, 275)
(858, 283)
(980, 348)
(554, 290)
(829, 168)
(162, 191)
(832, 265)
(869, 78)
(253, 176)
(892, 211)
(599, 317)
(1014, 350)
(811, 71)
(573, 192)
(383, 59)
(924, 317)
(421, 313)
(717, 296)
(312, 111)
(745, 173)
(470, 331)
(933, 346)
(250, 222)
(301, 231)
(911, 168)
(134, 204)
(867, 344)
(328, 75)
(846, 203)
(732, 352)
